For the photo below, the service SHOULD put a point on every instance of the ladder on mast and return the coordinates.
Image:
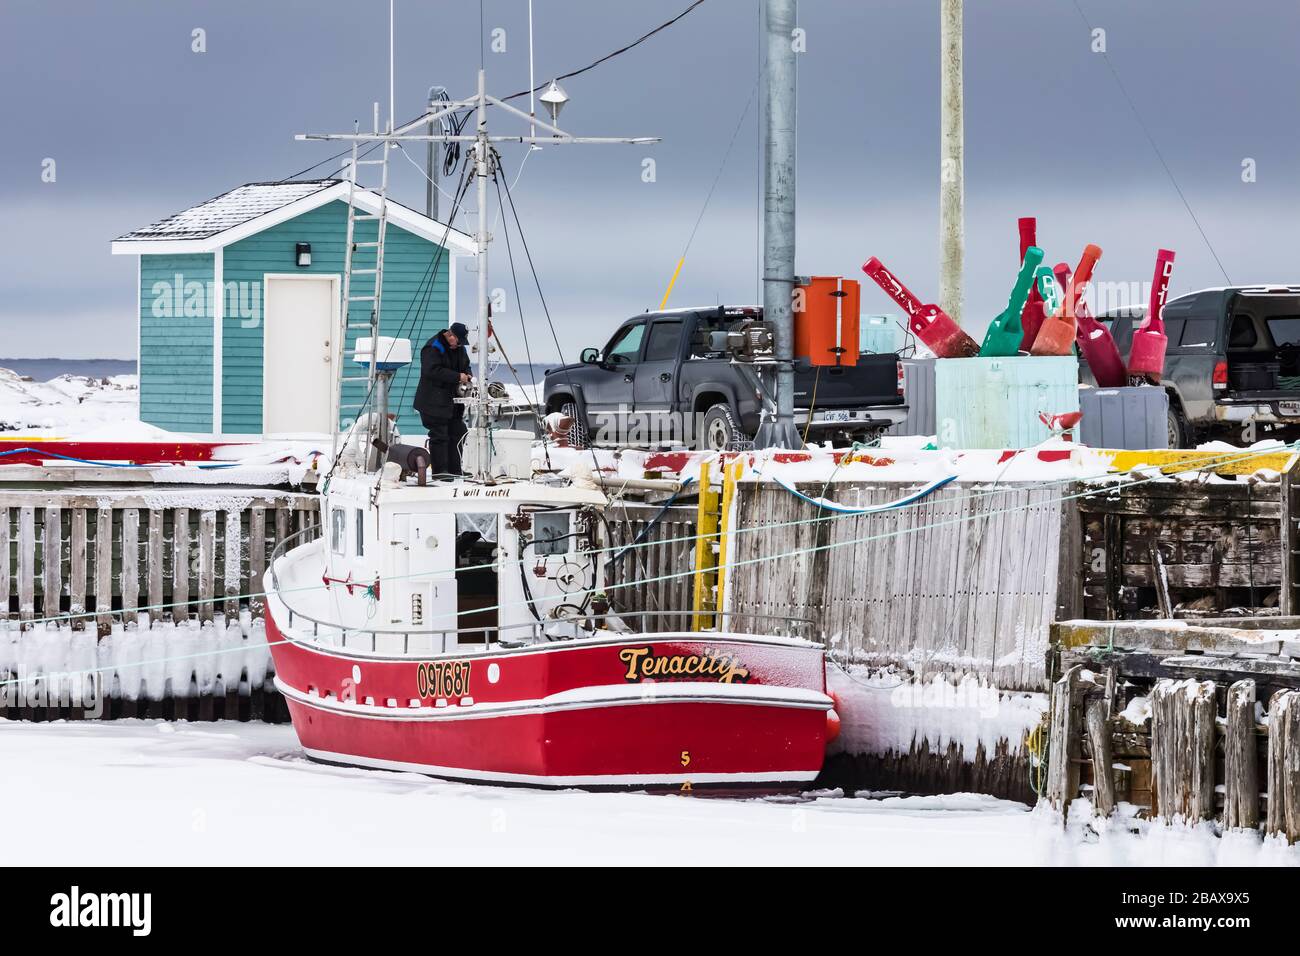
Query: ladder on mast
(374, 271)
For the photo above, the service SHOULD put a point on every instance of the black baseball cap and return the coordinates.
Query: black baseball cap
(458, 329)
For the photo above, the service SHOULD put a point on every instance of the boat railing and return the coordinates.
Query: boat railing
(546, 630)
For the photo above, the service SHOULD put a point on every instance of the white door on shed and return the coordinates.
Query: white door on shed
(297, 369)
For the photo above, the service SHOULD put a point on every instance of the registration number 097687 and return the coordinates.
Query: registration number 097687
(443, 678)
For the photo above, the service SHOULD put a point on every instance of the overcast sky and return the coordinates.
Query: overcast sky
(140, 127)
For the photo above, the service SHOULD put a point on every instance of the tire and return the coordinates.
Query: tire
(719, 431)
(1176, 426)
(578, 431)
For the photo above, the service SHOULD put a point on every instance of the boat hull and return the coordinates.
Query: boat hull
(618, 711)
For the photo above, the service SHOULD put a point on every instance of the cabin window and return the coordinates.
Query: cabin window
(361, 533)
(551, 532)
(338, 531)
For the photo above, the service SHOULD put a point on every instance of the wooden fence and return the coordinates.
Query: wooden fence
(1190, 763)
(964, 580)
(178, 551)
(666, 551)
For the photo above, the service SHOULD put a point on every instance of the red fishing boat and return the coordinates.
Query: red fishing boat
(457, 637)
(459, 628)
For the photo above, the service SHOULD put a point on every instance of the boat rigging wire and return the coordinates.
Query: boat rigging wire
(1154, 148)
(608, 56)
(564, 368)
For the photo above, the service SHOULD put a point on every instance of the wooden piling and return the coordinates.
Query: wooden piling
(1182, 748)
(1063, 740)
(1284, 765)
(1241, 760)
(1103, 774)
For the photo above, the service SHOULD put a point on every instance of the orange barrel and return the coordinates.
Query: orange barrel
(826, 315)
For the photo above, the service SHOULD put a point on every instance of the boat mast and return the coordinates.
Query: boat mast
(484, 162)
(482, 165)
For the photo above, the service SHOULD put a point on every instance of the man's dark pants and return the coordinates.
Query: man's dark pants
(445, 436)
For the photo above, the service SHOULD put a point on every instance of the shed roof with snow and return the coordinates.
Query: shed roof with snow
(256, 357)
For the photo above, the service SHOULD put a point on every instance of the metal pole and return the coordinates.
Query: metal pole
(481, 164)
(431, 166)
(779, 217)
(951, 159)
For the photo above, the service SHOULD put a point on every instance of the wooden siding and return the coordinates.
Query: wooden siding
(965, 580)
(175, 349)
(412, 307)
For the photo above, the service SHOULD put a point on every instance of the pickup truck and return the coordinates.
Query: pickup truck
(659, 382)
(1232, 368)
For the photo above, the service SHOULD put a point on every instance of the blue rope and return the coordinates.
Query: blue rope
(653, 521)
(841, 509)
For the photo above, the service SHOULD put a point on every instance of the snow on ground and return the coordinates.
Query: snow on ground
(145, 792)
(71, 404)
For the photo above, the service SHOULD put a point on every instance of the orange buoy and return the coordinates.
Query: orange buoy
(833, 718)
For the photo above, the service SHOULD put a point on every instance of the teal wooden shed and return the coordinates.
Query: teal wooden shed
(239, 306)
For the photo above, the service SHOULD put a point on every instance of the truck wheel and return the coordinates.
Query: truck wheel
(1177, 426)
(578, 431)
(719, 431)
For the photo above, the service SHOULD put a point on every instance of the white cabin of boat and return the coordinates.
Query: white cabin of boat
(440, 568)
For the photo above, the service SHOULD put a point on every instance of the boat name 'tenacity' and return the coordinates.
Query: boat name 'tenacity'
(642, 663)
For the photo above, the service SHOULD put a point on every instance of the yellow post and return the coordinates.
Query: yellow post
(730, 475)
(706, 531)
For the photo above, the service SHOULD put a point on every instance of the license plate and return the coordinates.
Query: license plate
(1291, 409)
(835, 416)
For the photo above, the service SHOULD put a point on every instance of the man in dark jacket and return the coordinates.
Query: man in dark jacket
(444, 367)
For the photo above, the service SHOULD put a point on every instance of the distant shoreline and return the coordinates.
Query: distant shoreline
(44, 369)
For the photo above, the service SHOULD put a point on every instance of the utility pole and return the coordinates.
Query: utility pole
(951, 159)
(779, 218)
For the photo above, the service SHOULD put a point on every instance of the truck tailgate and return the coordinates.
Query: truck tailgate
(873, 381)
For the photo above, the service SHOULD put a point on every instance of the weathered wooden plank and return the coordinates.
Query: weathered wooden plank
(51, 561)
(180, 602)
(1284, 765)
(26, 563)
(1103, 773)
(130, 582)
(103, 570)
(6, 576)
(231, 564)
(1241, 759)
(1063, 740)
(207, 562)
(154, 560)
(1182, 748)
(256, 558)
(77, 564)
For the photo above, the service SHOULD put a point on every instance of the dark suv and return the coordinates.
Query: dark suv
(1233, 361)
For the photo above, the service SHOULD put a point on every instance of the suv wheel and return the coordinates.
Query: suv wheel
(1177, 427)
(719, 431)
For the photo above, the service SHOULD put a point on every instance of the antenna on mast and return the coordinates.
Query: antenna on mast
(484, 166)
